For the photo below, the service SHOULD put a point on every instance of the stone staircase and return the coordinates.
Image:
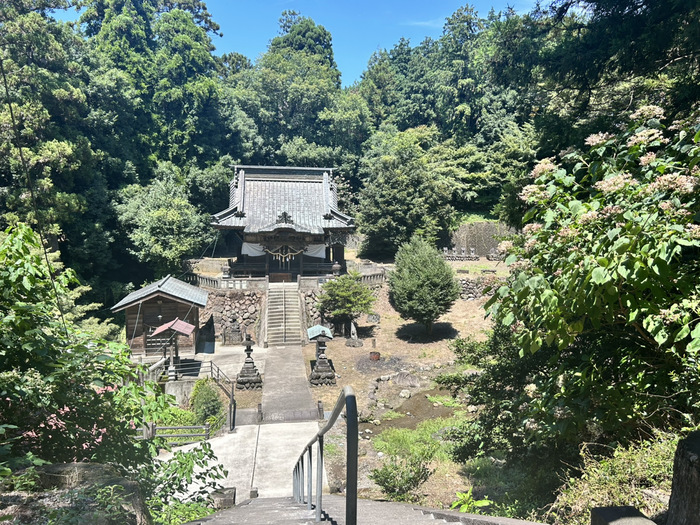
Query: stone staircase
(286, 510)
(283, 315)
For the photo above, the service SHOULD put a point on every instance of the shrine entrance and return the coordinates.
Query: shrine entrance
(280, 277)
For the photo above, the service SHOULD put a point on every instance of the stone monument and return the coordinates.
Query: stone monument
(249, 377)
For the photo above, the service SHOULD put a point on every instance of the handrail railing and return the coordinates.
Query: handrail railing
(345, 399)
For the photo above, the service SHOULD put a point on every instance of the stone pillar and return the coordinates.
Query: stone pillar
(684, 505)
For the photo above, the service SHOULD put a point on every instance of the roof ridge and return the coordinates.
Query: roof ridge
(163, 280)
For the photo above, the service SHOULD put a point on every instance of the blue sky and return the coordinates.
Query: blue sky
(359, 28)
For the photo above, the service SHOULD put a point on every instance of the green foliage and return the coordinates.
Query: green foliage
(605, 280)
(465, 502)
(25, 481)
(421, 442)
(177, 512)
(390, 415)
(402, 196)
(344, 299)
(63, 394)
(205, 400)
(69, 397)
(399, 478)
(619, 477)
(104, 504)
(469, 351)
(446, 401)
(187, 477)
(423, 286)
(161, 223)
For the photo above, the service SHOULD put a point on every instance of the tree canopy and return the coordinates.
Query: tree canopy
(423, 286)
(344, 299)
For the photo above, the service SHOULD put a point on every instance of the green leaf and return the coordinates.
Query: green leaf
(600, 276)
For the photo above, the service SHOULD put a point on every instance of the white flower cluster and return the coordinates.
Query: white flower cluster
(505, 246)
(615, 183)
(598, 138)
(532, 192)
(646, 137)
(544, 166)
(588, 217)
(673, 182)
(693, 230)
(647, 112)
(647, 158)
(566, 232)
(610, 211)
(533, 227)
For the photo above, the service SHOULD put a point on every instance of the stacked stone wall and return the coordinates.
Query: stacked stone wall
(232, 312)
(312, 314)
(474, 288)
(483, 236)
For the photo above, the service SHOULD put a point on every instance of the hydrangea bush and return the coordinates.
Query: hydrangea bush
(610, 254)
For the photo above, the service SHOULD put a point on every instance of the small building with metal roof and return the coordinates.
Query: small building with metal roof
(156, 304)
(286, 222)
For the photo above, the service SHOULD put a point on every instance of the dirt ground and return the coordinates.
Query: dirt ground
(403, 346)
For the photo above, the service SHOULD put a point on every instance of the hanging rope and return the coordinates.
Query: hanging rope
(284, 255)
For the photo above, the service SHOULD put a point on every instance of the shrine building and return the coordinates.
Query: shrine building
(283, 222)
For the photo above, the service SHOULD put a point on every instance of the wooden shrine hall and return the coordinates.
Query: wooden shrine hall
(164, 304)
(284, 222)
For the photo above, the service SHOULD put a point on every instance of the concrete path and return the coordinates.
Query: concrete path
(263, 456)
(286, 391)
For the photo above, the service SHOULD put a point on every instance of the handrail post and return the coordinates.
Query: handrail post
(352, 439)
(301, 481)
(319, 477)
(295, 479)
(310, 480)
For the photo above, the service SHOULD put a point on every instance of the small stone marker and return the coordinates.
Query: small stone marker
(373, 318)
(249, 377)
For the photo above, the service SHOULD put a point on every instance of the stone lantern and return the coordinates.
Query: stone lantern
(322, 373)
(249, 377)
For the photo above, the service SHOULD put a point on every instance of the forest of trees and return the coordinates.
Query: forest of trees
(118, 132)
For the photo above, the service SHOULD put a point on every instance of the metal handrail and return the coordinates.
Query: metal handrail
(345, 399)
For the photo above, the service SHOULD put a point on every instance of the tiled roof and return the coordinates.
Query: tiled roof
(169, 286)
(262, 194)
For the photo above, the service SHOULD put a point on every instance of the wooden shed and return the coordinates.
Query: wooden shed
(157, 304)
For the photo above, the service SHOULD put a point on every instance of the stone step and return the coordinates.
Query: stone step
(265, 511)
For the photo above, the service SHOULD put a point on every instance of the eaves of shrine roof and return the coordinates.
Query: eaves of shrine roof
(169, 286)
(267, 199)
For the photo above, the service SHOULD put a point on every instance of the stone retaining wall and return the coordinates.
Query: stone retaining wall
(473, 288)
(232, 311)
(313, 316)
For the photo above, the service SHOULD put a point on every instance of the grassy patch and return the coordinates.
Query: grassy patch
(423, 441)
(391, 415)
(639, 475)
(446, 401)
